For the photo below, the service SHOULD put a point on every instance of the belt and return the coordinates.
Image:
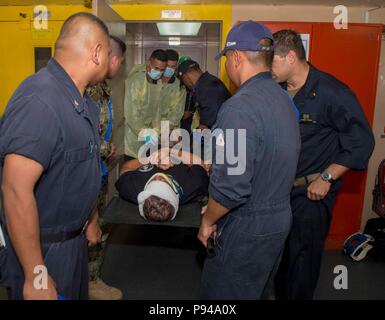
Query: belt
(303, 181)
(60, 236)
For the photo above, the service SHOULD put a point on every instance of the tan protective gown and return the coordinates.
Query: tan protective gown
(147, 104)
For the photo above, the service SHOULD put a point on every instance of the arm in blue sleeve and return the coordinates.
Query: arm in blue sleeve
(355, 134)
(31, 129)
(230, 182)
(209, 105)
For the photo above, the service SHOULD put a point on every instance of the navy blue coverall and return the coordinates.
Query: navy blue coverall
(48, 121)
(333, 129)
(251, 237)
(210, 93)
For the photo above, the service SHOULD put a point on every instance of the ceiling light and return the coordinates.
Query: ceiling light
(178, 28)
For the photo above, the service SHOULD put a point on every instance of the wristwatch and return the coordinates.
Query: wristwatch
(326, 176)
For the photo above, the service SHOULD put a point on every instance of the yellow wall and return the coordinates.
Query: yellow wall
(17, 46)
(18, 41)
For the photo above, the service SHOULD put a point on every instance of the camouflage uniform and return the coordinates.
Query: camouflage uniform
(101, 93)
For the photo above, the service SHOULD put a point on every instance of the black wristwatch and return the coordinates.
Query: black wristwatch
(326, 176)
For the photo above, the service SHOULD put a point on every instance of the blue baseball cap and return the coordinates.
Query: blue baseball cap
(245, 36)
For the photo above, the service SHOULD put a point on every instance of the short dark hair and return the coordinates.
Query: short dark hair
(157, 209)
(120, 42)
(88, 16)
(172, 55)
(264, 56)
(159, 54)
(287, 40)
(194, 68)
(267, 56)
(186, 67)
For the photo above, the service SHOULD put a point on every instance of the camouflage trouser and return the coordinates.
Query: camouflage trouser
(96, 253)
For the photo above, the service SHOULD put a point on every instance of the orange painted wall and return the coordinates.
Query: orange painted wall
(351, 55)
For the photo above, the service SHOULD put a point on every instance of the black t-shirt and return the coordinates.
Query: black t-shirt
(193, 180)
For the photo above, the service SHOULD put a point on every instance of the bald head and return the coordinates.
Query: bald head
(83, 47)
(78, 27)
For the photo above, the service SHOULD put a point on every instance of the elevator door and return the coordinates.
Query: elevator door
(143, 38)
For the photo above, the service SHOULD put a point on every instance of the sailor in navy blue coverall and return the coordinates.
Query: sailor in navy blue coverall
(335, 137)
(207, 91)
(51, 126)
(248, 213)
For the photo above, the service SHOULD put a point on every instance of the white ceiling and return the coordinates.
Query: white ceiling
(355, 3)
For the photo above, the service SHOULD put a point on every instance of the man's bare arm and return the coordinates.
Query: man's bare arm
(202, 127)
(20, 175)
(130, 165)
(213, 213)
(93, 231)
(187, 158)
(94, 216)
(337, 170)
(319, 188)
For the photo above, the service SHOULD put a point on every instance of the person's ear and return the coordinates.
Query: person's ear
(148, 66)
(291, 57)
(96, 54)
(185, 79)
(192, 78)
(114, 60)
(237, 56)
(182, 79)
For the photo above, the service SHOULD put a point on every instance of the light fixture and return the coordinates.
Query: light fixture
(174, 41)
(178, 28)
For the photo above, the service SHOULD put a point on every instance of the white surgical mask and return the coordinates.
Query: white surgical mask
(155, 74)
(169, 72)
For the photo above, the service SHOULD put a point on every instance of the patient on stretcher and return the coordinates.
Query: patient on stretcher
(160, 187)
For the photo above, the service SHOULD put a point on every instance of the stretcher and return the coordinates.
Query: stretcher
(120, 211)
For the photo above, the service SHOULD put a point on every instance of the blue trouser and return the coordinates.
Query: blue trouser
(299, 271)
(248, 250)
(67, 264)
